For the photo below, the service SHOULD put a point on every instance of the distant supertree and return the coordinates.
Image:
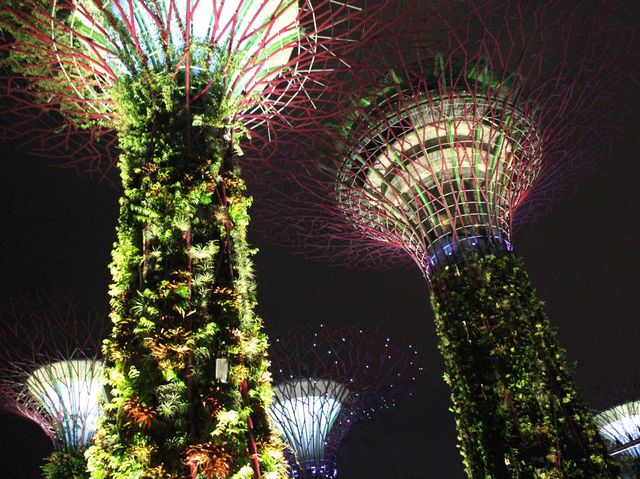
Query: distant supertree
(326, 380)
(461, 118)
(51, 374)
(181, 82)
(619, 426)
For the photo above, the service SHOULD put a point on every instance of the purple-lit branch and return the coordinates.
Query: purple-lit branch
(467, 119)
(273, 59)
(50, 368)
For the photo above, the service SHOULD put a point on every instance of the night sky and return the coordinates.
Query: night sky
(56, 232)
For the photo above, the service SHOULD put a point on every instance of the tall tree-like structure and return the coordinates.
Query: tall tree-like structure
(51, 374)
(182, 82)
(325, 381)
(460, 123)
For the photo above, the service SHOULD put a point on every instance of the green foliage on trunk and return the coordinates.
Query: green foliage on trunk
(182, 295)
(516, 406)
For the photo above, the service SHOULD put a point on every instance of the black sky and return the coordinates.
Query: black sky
(56, 231)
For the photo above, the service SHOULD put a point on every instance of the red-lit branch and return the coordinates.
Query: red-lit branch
(43, 342)
(69, 65)
(539, 77)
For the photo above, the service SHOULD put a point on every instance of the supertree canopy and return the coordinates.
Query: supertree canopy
(180, 83)
(304, 412)
(51, 373)
(326, 380)
(620, 428)
(460, 119)
(70, 391)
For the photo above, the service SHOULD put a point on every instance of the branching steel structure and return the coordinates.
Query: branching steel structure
(619, 426)
(463, 118)
(181, 83)
(51, 374)
(326, 380)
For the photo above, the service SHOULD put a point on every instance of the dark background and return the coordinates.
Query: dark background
(56, 232)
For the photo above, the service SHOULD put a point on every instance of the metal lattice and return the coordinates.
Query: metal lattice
(620, 428)
(50, 368)
(68, 393)
(440, 174)
(456, 125)
(269, 61)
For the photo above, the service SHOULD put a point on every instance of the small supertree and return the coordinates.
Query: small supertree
(51, 374)
(620, 428)
(181, 83)
(326, 380)
(460, 119)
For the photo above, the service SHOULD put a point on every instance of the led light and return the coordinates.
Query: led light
(69, 392)
(620, 425)
(249, 41)
(304, 412)
(222, 370)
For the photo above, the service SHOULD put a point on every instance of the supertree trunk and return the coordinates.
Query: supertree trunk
(516, 406)
(445, 144)
(179, 83)
(182, 302)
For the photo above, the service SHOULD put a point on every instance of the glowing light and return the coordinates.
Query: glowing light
(69, 392)
(222, 370)
(440, 174)
(304, 411)
(620, 425)
(249, 41)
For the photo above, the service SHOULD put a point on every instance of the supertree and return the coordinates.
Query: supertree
(325, 380)
(181, 83)
(462, 122)
(619, 426)
(51, 374)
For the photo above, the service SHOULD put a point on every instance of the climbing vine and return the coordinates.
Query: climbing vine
(182, 298)
(515, 403)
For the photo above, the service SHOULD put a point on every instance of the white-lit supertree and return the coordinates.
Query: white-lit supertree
(620, 428)
(51, 374)
(326, 380)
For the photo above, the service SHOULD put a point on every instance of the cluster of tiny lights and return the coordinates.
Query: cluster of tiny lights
(326, 385)
(69, 393)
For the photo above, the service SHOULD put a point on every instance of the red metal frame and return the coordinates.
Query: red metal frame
(553, 62)
(38, 331)
(329, 29)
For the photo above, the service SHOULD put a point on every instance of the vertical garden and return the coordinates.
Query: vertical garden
(181, 84)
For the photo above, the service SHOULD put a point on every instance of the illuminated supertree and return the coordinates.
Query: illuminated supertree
(325, 380)
(51, 374)
(180, 83)
(462, 118)
(619, 426)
